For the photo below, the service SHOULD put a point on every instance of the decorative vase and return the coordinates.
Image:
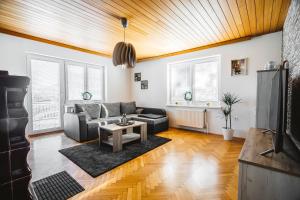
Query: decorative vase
(227, 133)
(124, 119)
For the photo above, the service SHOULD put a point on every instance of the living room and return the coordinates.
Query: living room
(149, 99)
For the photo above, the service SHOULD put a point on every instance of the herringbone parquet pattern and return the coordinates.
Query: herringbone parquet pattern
(191, 166)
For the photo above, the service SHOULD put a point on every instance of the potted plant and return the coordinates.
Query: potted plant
(229, 100)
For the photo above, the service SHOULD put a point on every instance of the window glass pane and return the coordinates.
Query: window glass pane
(95, 81)
(45, 81)
(206, 81)
(75, 85)
(180, 81)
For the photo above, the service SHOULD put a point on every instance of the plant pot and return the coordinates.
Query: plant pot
(227, 133)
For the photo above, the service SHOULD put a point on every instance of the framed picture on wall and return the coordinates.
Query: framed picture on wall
(144, 84)
(239, 67)
(137, 77)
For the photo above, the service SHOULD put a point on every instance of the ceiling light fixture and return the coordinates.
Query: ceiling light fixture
(124, 53)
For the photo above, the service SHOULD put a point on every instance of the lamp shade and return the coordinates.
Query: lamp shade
(124, 54)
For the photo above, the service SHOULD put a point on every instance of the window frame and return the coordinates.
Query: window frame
(104, 80)
(191, 63)
(29, 99)
(85, 66)
(63, 86)
(67, 78)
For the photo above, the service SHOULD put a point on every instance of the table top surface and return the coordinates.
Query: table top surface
(257, 142)
(115, 127)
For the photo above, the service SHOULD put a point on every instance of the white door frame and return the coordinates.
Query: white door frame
(62, 92)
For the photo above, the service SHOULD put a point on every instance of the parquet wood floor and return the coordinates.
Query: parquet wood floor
(192, 166)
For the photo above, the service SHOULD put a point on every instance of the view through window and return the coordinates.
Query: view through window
(84, 78)
(198, 78)
(55, 81)
(45, 81)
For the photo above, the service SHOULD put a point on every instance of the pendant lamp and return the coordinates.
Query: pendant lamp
(124, 53)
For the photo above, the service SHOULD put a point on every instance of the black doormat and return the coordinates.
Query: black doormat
(59, 186)
(97, 161)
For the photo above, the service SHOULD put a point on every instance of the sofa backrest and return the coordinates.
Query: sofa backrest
(110, 109)
(128, 107)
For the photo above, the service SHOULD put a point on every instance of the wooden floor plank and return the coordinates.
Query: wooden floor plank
(192, 166)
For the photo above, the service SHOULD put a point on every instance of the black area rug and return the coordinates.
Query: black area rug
(97, 161)
(59, 186)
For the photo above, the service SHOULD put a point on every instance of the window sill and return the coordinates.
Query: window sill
(193, 106)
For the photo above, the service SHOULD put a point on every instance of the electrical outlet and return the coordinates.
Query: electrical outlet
(236, 118)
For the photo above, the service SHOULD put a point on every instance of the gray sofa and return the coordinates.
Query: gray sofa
(82, 122)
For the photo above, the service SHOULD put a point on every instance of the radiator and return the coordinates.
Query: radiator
(191, 118)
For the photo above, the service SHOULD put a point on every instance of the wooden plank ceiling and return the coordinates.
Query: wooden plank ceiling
(156, 27)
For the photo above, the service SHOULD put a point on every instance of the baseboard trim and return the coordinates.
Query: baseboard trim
(45, 133)
(199, 131)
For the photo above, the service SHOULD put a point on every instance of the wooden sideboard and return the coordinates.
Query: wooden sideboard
(274, 177)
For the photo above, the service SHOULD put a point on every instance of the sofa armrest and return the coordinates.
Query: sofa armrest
(75, 126)
(157, 111)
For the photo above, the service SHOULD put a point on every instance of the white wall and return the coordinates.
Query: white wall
(13, 51)
(121, 86)
(259, 51)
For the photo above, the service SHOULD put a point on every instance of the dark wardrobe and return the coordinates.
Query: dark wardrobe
(15, 174)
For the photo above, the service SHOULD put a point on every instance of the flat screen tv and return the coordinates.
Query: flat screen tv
(277, 119)
(284, 115)
(276, 113)
(293, 110)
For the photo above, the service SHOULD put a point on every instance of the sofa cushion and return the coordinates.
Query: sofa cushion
(78, 108)
(128, 108)
(131, 116)
(151, 116)
(150, 121)
(92, 110)
(139, 110)
(110, 110)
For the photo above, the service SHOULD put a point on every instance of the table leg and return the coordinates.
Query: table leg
(117, 141)
(143, 132)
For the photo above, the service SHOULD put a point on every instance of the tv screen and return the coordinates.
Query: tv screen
(294, 111)
(274, 102)
(276, 114)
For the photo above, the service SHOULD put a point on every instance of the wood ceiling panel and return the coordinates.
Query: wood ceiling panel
(259, 10)
(268, 9)
(275, 14)
(229, 25)
(207, 6)
(283, 11)
(232, 14)
(198, 6)
(168, 20)
(251, 9)
(186, 13)
(242, 6)
(157, 28)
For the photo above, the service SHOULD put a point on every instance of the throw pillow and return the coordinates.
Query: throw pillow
(92, 111)
(111, 110)
(128, 108)
(139, 110)
(78, 108)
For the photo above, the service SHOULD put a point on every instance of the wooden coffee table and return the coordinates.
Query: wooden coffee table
(118, 138)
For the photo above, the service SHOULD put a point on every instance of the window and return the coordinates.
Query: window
(46, 87)
(75, 77)
(84, 78)
(95, 82)
(199, 77)
(56, 81)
